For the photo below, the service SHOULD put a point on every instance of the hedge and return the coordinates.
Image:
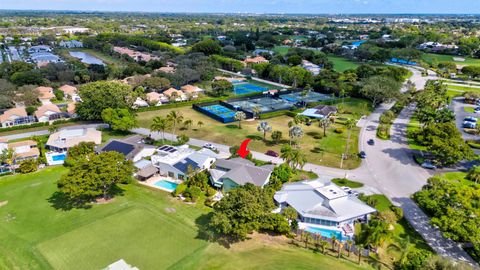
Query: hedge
(273, 114)
(34, 125)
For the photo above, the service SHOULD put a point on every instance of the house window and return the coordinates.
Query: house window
(181, 176)
(171, 174)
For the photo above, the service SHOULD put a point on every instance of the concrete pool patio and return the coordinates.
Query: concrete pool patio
(152, 180)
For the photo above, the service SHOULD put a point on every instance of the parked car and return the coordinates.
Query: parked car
(467, 124)
(271, 153)
(362, 154)
(476, 110)
(355, 193)
(346, 189)
(209, 146)
(428, 165)
(371, 142)
(470, 119)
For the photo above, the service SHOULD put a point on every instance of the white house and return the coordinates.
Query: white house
(48, 112)
(45, 94)
(323, 207)
(15, 116)
(178, 162)
(39, 49)
(64, 139)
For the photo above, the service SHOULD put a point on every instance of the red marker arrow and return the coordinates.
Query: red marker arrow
(242, 151)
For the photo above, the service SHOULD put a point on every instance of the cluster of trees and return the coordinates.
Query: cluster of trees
(173, 121)
(438, 131)
(245, 210)
(196, 185)
(453, 206)
(93, 177)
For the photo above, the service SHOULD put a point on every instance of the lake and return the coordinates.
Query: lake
(87, 58)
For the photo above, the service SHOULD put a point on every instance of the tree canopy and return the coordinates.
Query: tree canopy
(119, 119)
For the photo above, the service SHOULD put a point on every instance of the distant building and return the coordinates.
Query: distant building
(311, 67)
(156, 98)
(48, 112)
(68, 90)
(45, 94)
(71, 44)
(231, 173)
(255, 60)
(73, 30)
(192, 90)
(64, 139)
(173, 93)
(320, 111)
(39, 49)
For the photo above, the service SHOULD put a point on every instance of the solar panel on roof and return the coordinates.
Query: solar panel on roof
(172, 150)
(163, 147)
(120, 147)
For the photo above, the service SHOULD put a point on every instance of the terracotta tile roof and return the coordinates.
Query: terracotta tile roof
(45, 108)
(170, 91)
(68, 89)
(191, 88)
(71, 107)
(45, 92)
(20, 112)
(25, 149)
(154, 96)
(257, 59)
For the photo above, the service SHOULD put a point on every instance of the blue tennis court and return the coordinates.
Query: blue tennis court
(223, 112)
(308, 97)
(247, 88)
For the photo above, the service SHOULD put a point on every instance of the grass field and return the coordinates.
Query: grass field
(347, 183)
(107, 59)
(325, 151)
(432, 58)
(340, 64)
(145, 227)
(413, 126)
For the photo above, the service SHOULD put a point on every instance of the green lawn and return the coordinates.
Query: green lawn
(457, 90)
(341, 64)
(432, 58)
(414, 126)
(347, 183)
(317, 148)
(145, 227)
(469, 109)
(107, 59)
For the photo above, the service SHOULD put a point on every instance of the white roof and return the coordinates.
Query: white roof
(327, 201)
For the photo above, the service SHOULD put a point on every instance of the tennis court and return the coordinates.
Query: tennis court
(247, 88)
(308, 97)
(264, 104)
(226, 114)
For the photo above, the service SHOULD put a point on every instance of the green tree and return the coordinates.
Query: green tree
(276, 136)
(187, 123)
(221, 87)
(79, 152)
(295, 133)
(96, 177)
(119, 119)
(8, 156)
(160, 124)
(98, 96)
(240, 116)
(174, 118)
(379, 89)
(28, 166)
(474, 174)
(290, 213)
(264, 127)
(207, 47)
(200, 124)
(324, 123)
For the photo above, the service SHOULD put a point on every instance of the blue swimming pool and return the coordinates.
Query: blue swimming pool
(59, 157)
(326, 232)
(247, 88)
(167, 185)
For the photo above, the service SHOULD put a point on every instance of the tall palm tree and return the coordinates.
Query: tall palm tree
(287, 153)
(187, 123)
(298, 159)
(334, 241)
(240, 116)
(349, 244)
(323, 245)
(307, 239)
(405, 246)
(256, 111)
(8, 157)
(350, 124)
(160, 124)
(360, 248)
(174, 118)
(340, 247)
(324, 123)
(264, 127)
(295, 133)
(474, 174)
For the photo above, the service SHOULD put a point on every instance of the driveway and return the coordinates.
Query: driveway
(457, 107)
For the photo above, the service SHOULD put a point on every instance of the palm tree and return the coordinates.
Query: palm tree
(295, 133)
(474, 174)
(256, 111)
(298, 159)
(187, 123)
(240, 116)
(307, 239)
(405, 246)
(174, 118)
(286, 153)
(324, 123)
(160, 124)
(264, 127)
(360, 248)
(199, 124)
(350, 123)
(340, 246)
(323, 245)
(334, 241)
(298, 119)
(8, 157)
(349, 246)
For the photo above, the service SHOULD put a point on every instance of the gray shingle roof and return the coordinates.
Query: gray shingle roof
(243, 171)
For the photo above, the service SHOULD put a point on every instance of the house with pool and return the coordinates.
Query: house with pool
(179, 162)
(132, 147)
(323, 208)
(231, 173)
(59, 142)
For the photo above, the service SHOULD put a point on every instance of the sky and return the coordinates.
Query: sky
(254, 6)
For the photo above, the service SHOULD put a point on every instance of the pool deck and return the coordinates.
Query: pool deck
(152, 180)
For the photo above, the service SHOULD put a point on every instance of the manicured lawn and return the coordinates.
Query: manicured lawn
(324, 150)
(341, 64)
(432, 58)
(469, 109)
(107, 59)
(283, 50)
(347, 183)
(456, 90)
(412, 127)
(145, 227)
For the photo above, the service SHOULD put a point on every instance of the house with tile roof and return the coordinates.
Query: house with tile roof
(173, 93)
(14, 117)
(231, 173)
(192, 90)
(48, 112)
(255, 60)
(156, 98)
(24, 150)
(45, 94)
(64, 139)
(68, 90)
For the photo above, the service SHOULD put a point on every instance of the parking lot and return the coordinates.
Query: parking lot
(458, 106)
